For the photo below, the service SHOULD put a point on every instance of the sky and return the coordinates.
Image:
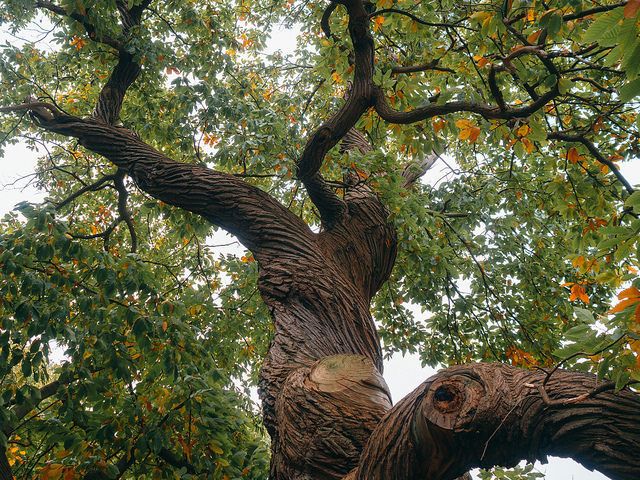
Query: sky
(402, 373)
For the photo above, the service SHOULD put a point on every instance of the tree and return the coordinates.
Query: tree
(313, 162)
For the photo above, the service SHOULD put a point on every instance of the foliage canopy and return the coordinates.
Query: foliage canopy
(512, 255)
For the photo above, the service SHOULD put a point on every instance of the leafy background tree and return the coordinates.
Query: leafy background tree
(513, 257)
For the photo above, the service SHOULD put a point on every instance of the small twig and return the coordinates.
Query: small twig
(97, 185)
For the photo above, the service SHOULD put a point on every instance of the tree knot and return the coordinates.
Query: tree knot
(447, 398)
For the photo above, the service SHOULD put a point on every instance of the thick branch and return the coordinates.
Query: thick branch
(5, 468)
(125, 72)
(259, 221)
(333, 130)
(112, 95)
(21, 411)
(416, 169)
(487, 111)
(492, 414)
(595, 152)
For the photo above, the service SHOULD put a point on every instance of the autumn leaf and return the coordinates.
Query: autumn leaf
(468, 130)
(574, 156)
(523, 130)
(528, 145)
(578, 292)
(53, 471)
(628, 297)
(78, 42)
(438, 124)
(377, 23)
(480, 60)
(520, 358)
(210, 139)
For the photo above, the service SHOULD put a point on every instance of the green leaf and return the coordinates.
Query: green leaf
(633, 200)
(630, 90)
(605, 28)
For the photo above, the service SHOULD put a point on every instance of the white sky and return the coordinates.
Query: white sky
(402, 374)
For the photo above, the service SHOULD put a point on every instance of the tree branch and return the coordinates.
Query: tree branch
(333, 130)
(487, 111)
(83, 20)
(97, 185)
(123, 194)
(484, 415)
(261, 223)
(432, 65)
(595, 152)
(415, 18)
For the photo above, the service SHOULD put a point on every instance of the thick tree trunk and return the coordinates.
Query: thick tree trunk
(492, 414)
(326, 357)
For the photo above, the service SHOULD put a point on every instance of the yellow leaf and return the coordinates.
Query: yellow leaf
(468, 131)
(523, 130)
(215, 448)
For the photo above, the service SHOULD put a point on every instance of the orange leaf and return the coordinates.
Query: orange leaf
(573, 156)
(482, 61)
(630, 292)
(528, 145)
(78, 42)
(533, 38)
(624, 304)
(377, 23)
(438, 124)
(578, 292)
